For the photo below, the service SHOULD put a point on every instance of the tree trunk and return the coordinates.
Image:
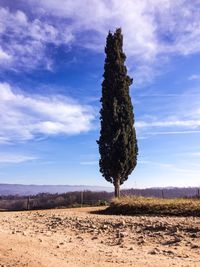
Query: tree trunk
(117, 191)
(28, 203)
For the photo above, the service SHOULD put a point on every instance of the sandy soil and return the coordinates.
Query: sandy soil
(74, 237)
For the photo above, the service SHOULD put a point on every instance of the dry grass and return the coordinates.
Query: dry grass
(154, 206)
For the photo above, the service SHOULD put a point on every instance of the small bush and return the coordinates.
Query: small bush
(103, 203)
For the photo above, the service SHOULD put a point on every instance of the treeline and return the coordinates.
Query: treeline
(87, 198)
(50, 201)
(174, 192)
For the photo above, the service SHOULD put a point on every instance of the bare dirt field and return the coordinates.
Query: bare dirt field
(74, 237)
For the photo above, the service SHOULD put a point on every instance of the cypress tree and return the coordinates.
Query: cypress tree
(117, 143)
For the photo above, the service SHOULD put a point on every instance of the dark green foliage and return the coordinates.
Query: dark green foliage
(117, 144)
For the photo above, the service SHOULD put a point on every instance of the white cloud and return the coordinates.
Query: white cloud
(95, 162)
(23, 117)
(26, 40)
(15, 158)
(135, 18)
(158, 164)
(180, 116)
(4, 55)
(173, 168)
(194, 77)
(194, 154)
(173, 132)
(152, 30)
(170, 123)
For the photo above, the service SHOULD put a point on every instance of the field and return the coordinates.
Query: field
(79, 237)
(155, 206)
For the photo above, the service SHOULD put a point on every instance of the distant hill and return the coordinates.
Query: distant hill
(22, 190)
(166, 192)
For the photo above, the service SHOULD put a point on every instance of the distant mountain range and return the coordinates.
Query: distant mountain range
(20, 189)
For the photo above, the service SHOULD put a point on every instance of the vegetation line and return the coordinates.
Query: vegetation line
(155, 206)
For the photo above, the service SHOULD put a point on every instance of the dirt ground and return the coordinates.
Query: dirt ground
(75, 237)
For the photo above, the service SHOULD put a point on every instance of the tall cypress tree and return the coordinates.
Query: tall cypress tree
(117, 143)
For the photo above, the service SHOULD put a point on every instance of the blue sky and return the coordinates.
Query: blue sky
(51, 66)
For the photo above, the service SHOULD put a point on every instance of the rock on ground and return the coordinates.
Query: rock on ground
(75, 237)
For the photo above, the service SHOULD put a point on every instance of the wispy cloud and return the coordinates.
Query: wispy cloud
(23, 117)
(169, 123)
(27, 40)
(172, 132)
(15, 158)
(144, 22)
(155, 163)
(181, 117)
(194, 154)
(152, 30)
(95, 162)
(4, 56)
(171, 167)
(194, 77)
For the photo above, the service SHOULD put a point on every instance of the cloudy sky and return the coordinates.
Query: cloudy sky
(51, 66)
